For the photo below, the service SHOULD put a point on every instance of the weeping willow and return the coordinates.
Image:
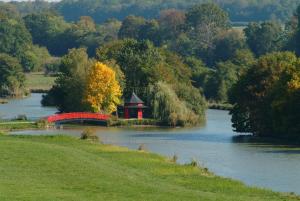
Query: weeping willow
(169, 109)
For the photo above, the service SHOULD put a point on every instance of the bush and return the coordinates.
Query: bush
(89, 134)
(142, 147)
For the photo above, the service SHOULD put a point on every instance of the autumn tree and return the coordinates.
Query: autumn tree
(103, 92)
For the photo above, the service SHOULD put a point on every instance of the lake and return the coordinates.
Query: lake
(268, 166)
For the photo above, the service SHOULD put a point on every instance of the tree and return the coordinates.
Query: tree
(227, 43)
(103, 92)
(171, 22)
(131, 27)
(265, 97)
(150, 31)
(14, 37)
(45, 29)
(68, 92)
(168, 108)
(264, 38)
(138, 60)
(12, 79)
(205, 22)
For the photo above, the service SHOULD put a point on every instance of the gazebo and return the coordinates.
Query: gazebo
(134, 107)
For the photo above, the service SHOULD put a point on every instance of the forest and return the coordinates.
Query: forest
(179, 58)
(240, 11)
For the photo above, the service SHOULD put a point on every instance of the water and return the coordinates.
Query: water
(30, 107)
(268, 166)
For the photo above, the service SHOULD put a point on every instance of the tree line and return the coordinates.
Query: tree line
(101, 10)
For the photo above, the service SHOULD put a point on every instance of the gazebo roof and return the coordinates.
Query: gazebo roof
(135, 99)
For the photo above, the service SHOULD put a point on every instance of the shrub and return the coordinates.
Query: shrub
(89, 134)
(142, 147)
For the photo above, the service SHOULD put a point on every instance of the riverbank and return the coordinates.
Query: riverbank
(21, 125)
(65, 168)
(219, 106)
(3, 101)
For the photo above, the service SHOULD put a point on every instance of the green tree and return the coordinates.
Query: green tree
(131, 27)
(264, 96)
(168, 108)
(68, 92)
(46, 28)
(227, 43)
(14, 37)
(265, 37)
(12, 78)
(205, 22)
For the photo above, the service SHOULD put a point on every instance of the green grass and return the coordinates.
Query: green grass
(132, 122)
(17, 125)
(39, 82)
(69, 169)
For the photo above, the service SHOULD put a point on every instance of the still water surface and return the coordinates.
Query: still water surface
(269, 166)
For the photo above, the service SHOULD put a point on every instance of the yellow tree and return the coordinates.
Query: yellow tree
(103, 91)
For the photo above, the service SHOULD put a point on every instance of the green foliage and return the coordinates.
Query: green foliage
(266, 97)
(265, 37)
(131, 27)
(45, 28)
(169, 109)
(89, 134)
(68, 92)
(227, 44)
(239, 10)
(12, 78)
(136, 59)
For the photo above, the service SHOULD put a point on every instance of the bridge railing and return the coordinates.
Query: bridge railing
(77, 115)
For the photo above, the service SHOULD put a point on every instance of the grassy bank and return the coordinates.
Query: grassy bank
(38, 82)
(63, 168)
(132, 122)
(20, 125)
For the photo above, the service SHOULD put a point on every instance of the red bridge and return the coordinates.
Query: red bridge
(77, 116)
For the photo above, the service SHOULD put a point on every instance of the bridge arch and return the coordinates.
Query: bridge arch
(77, 116)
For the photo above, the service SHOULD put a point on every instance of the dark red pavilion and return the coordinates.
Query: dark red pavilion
(134, 107)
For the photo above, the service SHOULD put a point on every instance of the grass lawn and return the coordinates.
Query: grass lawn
(38, 81)
(64, 168)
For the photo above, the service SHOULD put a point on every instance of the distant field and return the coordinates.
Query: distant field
(69, 169)
(38, 81)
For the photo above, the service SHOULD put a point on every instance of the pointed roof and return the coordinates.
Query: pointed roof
(135, 99)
